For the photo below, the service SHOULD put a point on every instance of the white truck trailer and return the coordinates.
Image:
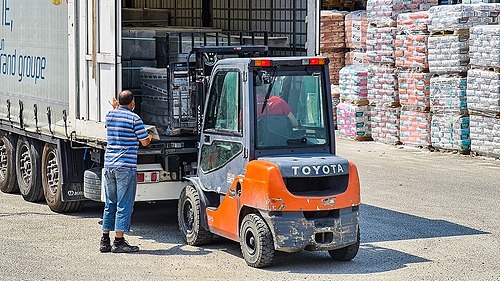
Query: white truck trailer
(61, 62)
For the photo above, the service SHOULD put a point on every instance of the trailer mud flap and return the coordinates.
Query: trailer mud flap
(72, 192)
(72, 169)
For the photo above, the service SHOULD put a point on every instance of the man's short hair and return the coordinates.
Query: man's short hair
(125, 97)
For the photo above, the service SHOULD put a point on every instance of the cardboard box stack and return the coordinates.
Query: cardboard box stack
(332, 41)
(483, 89)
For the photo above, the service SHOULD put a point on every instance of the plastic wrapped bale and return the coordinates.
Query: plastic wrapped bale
(484, 46)
(337, 61)
(385, 124)
(332, 30)
(448, 95)
(450, 132)
(415, 128)
(412, 23)
(483, 91)
(355, 58)
(448, 54)
(356, 27)
(380, 45)
(414, 90)
(460, 17)
(383, 86)
(353, 121)
(485, 135)
(411, 52)
(353, 84)
(385, 12)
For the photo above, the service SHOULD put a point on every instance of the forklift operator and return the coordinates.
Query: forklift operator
(275, 105)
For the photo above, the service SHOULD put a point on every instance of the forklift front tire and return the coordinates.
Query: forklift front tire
(256, 241)
(189, 217)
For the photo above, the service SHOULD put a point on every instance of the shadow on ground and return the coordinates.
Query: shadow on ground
(158, 222)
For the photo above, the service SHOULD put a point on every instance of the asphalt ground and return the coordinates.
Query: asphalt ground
(425, 216)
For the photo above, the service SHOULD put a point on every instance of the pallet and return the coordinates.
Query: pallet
(363, 138)
(391, 23)
(449, 75)
(421, 109)
(357, 102)
(393, 104)
(397, 143)
(457, 32)
(418, 146)
(452, 151)
(495, 69)
(485, 113)
(357, 138)
(485, 154)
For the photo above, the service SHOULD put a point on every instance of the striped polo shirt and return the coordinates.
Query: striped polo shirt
(124, 130)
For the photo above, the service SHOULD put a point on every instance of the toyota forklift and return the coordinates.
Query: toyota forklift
(261, 180)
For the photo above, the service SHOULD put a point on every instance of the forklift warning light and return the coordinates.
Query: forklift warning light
(262, 63)
(313, 61)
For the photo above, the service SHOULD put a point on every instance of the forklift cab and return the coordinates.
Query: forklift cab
(259, 107)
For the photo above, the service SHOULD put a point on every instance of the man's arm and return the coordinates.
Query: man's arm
(147, 141)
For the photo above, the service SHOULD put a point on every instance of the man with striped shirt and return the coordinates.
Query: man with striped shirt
(125, 130)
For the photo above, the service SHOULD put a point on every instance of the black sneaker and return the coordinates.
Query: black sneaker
(105, 245)
(123, 247)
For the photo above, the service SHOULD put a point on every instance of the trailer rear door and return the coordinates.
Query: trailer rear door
(99, 63)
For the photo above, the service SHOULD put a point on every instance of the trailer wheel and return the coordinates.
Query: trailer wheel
(8, 180)
(28, 169)
(256, 241)
(189, 217)
(51, 182)
(346, 253)
(92, 183)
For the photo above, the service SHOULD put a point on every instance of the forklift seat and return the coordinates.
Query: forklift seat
(273, 130)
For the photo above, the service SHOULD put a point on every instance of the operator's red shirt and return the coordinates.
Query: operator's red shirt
(275, 106)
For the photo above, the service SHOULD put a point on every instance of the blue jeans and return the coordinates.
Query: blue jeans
(119, 188)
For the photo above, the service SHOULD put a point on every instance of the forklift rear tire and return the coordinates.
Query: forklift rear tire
(256, 241)
(189, 217)
(346, 253)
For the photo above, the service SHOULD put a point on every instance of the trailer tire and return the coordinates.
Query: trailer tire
(256, 241)
(189, 218)
(92, 183)
(28, 169)
(52, 184)
(346, 253)
(8, 179)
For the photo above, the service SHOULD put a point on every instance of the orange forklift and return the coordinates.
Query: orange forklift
(267, 175)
